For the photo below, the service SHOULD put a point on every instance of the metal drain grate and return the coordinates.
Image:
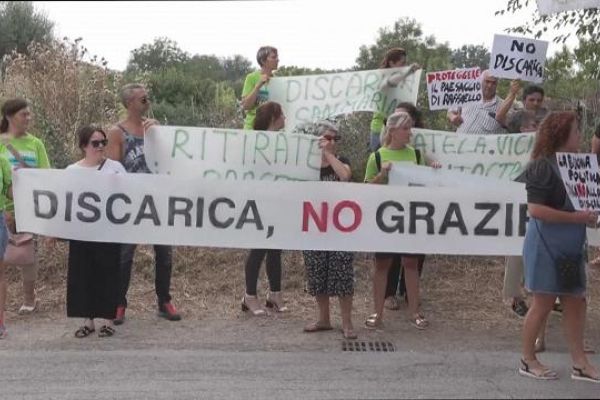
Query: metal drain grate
(354, 345)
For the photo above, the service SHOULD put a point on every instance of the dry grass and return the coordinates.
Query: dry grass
(208, 283)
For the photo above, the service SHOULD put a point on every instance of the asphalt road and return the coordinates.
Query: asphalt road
(253, 359)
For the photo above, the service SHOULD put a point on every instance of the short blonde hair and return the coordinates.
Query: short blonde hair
(396, 120)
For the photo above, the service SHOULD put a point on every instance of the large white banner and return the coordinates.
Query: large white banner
(309, 98)
(518, 58)
(547, 7)
(495, 156)
(232, 154)
(161, 209)
(453, 88)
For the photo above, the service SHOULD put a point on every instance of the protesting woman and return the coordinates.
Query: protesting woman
(554, 247)
(92, 279)
(256, 85)
(23, 150)
(331, 273)
(394, 58)
(395, 148)
(269, 117)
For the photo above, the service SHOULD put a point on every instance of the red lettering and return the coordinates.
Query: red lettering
(309, 211)
(356, 211)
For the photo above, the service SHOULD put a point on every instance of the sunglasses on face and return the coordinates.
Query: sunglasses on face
(144, 100)
(96, 143)
(334, 138)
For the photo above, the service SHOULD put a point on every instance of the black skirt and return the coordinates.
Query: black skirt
(92, 279)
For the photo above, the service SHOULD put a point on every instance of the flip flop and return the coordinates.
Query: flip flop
(84, 331)
(315, 327)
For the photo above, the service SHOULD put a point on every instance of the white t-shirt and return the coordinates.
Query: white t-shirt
(109, 167)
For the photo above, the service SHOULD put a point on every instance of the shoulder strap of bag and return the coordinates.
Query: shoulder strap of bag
(101, 164)
(17, 155)
(378, 160)
(418, 155)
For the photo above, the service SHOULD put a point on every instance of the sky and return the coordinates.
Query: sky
(323, 34)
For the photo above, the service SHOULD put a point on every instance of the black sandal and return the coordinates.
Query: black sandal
(84, 331)
(579, 374)
(106, 331)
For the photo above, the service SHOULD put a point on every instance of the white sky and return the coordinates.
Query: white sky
(308, 33)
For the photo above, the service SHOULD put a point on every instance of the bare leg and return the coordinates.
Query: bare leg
(380, 275)
(574, 325)
(538, 313)
(2, 291)
(346, 311)
(411, 275)
(323, 318)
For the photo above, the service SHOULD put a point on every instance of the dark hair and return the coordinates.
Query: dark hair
(263, 53)
(552, 133)
(84, 134)
(10, 108)
(392, 55)
(265, 114)
(597, 131)
(414, 112)
(531, 89)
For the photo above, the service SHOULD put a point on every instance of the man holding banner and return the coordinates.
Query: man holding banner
(126, 145)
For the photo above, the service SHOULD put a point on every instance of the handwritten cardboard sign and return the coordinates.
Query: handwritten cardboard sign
(453, 88)
(581, 177)
(518, 58)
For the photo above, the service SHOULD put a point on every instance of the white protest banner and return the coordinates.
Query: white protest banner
(495, 156)
(518, 58)
(162, 209)
(408, 174)
(309, 98)
(581, 177)
(453, 88)
(547, 7)
(232, 154)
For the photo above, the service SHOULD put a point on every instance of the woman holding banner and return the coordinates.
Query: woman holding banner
(93, 274)
(394, 58)
(269, 117)
(331, 273)
(23, 150)
(256, 85)
(396, 284)
(554, 247)
(395, 148)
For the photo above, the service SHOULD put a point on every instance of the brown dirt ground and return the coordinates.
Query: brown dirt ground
(208, 283)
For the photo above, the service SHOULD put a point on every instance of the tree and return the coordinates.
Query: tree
(470, 55)
(586, 22)
(21, 25)
(160, 54)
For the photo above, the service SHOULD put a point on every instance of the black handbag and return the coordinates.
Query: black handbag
(567, 266)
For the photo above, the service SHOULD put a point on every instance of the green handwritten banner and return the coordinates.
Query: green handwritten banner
(309, 98)
(497, 156)
(232, 154)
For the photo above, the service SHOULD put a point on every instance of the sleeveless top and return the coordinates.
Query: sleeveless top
(133, 156)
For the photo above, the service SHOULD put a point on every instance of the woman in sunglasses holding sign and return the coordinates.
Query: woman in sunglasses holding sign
(554, 249)
(92, 279)
(330, 273)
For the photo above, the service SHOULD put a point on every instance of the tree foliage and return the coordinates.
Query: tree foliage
(20, 25)
(160, 54)
(585, 22)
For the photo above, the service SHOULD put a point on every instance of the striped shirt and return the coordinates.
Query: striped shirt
(478, 118)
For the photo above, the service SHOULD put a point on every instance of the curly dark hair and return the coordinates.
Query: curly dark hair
(392, 55)
(265, 114)
(552, 133)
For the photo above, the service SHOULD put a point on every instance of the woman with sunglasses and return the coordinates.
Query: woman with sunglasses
(331, 273)
(92, 279)
(23, 150)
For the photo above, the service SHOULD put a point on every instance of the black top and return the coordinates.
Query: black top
(328, 174)
(544, 185)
